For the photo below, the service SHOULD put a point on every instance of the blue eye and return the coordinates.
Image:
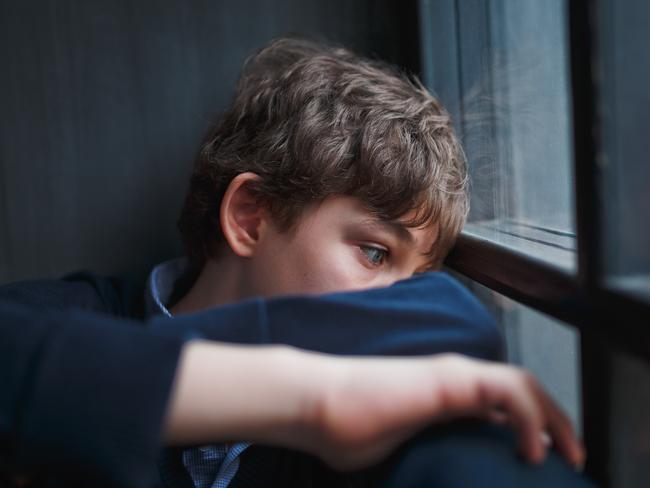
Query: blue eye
(375, 255)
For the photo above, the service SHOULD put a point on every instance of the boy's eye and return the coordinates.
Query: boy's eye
(375, 255)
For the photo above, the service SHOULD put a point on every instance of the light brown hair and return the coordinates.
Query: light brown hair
(314, 120)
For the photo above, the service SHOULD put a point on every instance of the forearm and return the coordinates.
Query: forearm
(350, 412)
(255, 393)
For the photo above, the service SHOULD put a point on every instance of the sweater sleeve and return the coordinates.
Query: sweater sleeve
(82, 394)
(426, 314)
(88, 391)
(430, 313)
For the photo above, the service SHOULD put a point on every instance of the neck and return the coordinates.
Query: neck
(220, 282)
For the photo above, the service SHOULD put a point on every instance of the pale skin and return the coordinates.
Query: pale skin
(351, 412)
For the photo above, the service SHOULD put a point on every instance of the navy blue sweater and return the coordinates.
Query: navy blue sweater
(84, 382)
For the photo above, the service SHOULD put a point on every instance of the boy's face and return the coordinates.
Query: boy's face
(338, 245)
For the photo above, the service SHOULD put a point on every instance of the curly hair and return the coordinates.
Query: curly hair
(314, 120)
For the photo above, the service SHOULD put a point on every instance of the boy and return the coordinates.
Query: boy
(328, 173)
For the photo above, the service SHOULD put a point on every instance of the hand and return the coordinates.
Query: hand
(368, 406)
(351, 412)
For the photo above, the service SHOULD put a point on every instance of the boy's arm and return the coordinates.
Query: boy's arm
(82, 390)
(426, 314)
(352, 412)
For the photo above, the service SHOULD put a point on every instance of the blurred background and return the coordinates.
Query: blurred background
(103, 105)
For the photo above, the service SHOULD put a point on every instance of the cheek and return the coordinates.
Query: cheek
(327, 267)
(313, 264)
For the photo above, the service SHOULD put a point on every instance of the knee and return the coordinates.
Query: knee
(472, 454)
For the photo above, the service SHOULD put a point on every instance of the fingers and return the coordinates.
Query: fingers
(496, 416)
(385, 401)
(500, 393)
(528, 417)
(519, 397)
(562, 433)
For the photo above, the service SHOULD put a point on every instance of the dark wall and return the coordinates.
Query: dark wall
(103, 104)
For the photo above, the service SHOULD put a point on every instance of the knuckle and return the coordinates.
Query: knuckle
(527, 380)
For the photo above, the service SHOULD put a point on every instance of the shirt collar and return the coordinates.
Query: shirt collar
(160, 286)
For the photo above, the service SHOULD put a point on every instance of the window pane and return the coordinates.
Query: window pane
(503, 71)
(626, 168)
(548, 348)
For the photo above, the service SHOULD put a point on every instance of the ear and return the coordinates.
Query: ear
(243, 217)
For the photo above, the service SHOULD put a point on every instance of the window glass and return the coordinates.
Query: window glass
(624, 161)
(501, 67)
(548, 348)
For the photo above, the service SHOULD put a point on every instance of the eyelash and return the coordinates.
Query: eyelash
(374, 248)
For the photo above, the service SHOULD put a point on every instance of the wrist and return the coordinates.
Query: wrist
(312, 379)
(317, 383)
(276, 395)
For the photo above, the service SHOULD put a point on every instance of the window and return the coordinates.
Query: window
(547, 347)
(509, 95)
(551, 101)
(626, 145)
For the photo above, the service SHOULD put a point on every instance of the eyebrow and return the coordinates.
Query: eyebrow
(398, 230)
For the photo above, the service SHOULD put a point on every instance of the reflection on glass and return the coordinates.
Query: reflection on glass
(509, 93)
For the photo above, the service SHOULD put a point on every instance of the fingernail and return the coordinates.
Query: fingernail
(546, 438)
(537, 460)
